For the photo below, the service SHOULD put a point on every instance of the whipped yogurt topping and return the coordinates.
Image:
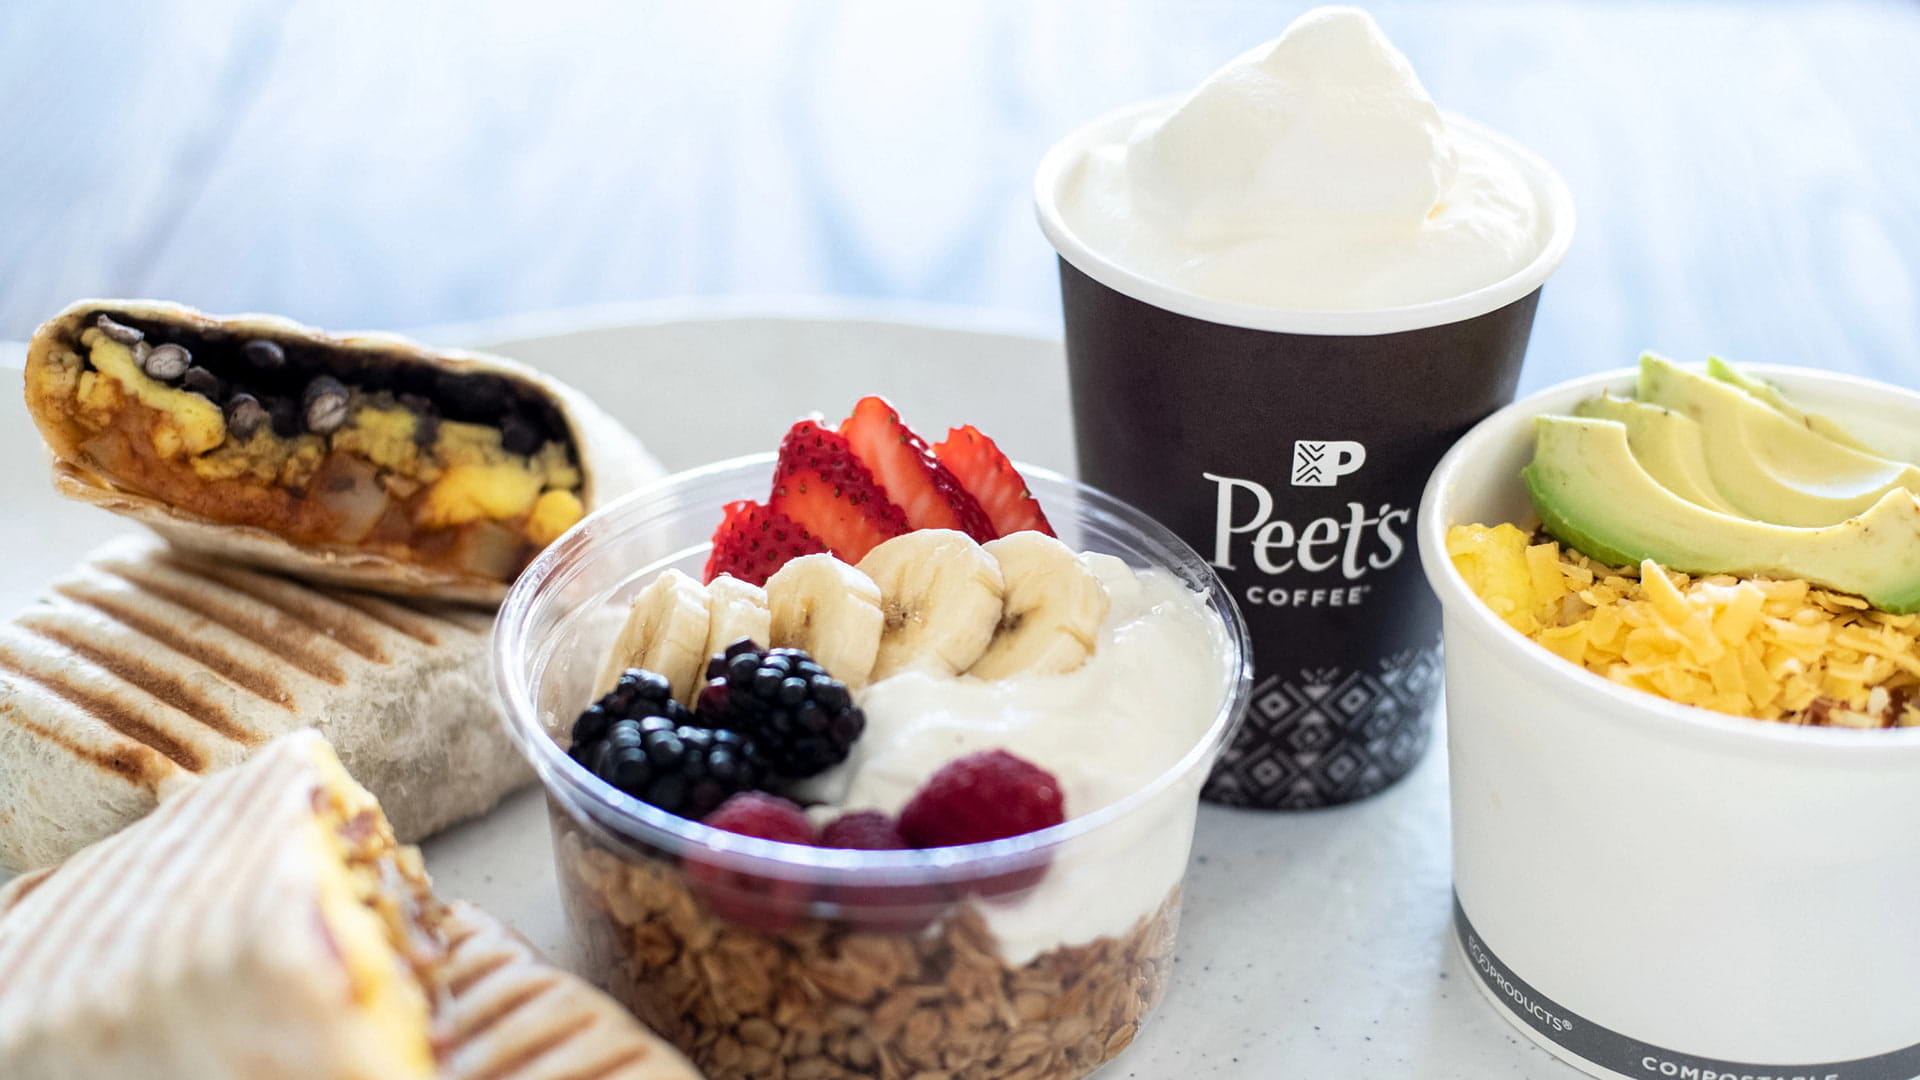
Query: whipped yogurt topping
(1104, 731)
(1313, 173)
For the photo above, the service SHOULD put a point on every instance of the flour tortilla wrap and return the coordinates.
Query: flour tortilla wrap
(148, 668)
(262, 923)
(609, 459)
(515, 1017)
(203, 943)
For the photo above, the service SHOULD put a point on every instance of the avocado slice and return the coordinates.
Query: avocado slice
(1671, 447)
(1593, 495)
(1769, 467)
(1770, 396)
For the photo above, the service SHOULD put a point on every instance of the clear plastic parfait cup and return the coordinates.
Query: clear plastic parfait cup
(770, 960)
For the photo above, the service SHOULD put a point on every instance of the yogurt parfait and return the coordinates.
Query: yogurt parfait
(847, 747)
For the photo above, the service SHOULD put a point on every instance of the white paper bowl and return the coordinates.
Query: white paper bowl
(1648, 889)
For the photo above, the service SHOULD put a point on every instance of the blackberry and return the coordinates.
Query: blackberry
(803, 719)
(641, 741)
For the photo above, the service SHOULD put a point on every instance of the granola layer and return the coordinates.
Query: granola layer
(825, 1000)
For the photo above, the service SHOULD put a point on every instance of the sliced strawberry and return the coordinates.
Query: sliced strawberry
(753, 541)
(992, 480)
(907, 471)
(823, 486)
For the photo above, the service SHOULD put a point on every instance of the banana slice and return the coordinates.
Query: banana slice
(942, 595)
(830, 609)
(1053, 612)
(665, 632)
(736, 609)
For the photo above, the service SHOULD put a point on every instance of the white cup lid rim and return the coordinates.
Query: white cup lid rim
(1059, 161)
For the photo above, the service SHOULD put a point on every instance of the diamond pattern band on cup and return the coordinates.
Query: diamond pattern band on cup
(1329, 735)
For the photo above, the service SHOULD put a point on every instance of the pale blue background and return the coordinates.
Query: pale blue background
(1747, 174)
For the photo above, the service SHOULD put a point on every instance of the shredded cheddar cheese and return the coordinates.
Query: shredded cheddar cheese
(1785, 651)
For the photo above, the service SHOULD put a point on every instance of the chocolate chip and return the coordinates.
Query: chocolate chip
(286, 417)
(325, 405)
(120, 332)
(201, 381)
(167, 362)
(245, 415)
(517, 436)
(264, 354)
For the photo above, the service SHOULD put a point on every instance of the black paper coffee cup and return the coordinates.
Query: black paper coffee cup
(1290, 449)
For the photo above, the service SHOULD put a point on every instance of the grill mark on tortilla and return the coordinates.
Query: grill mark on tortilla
(162, 685)
(126, 762)
(261, 684)
(535, 1050)
(412, 622)
(459, 938)
(109, 712)
(472, 621)
(614, 1064)
(317, 610)
(290, 639)
(466, 980)
(497, 1012)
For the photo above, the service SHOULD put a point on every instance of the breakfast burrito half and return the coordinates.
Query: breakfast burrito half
(267, 923)
(148, 667)
(263, 923)
(367, 460)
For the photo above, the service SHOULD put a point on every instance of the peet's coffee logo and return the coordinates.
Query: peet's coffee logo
(1322, 462)
(1246, 536)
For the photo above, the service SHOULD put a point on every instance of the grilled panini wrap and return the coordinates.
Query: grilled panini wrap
(263, 923)
(507, 1014)
(516, 1018)
(149, 667)
(368, 460)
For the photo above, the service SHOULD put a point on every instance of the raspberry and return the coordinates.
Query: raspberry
(768, 817)
(990, 795)
(865, 830)
(759, 903)
(887, 909)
